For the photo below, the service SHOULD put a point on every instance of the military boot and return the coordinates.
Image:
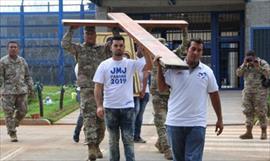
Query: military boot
(92, 152)
(159, 147)
(13, 137)
(168, 154)
(99, 153)
(263, 134)
(248, 134)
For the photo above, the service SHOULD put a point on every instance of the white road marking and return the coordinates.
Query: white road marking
(12, 154)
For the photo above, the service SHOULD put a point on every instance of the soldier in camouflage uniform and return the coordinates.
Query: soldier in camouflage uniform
(15, 83)
(160, 101)
(254, 94)
(88, 55)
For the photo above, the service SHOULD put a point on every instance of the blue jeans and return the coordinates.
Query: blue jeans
(116, 120)
(140, 104)
(78, 127)
(79, 123)
(187, 143)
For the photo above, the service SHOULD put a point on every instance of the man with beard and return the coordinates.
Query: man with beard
(187, 104)
(114, 97)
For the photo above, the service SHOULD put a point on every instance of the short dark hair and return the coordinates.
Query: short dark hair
(251, 53)
(89, 29)
(197, 40)
(13, 42)
(118, 37)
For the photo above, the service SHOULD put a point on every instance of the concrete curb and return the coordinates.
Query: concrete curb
(29, 121)
(64, 123)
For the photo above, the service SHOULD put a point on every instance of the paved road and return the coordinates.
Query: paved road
(53, 143)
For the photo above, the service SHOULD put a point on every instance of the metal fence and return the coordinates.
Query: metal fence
(37, 27)
(260, 42)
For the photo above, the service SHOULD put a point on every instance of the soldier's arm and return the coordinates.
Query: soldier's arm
(241, 70)
(99, 99)
(181, 50)
(28, 79)
(264, 68)
(162, 86)
(67, 43)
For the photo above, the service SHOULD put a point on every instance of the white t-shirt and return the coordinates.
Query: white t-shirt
(117, 78)
(187, 105)
(76, 70)
(140, 73)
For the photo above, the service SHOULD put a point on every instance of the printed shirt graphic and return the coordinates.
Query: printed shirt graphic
(117, 78)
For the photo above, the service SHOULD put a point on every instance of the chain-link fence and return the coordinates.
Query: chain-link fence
(36, 25)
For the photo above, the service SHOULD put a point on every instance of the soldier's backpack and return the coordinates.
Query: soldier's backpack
(265, 82)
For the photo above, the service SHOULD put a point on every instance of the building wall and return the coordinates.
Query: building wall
(257, 15)
(141, 6)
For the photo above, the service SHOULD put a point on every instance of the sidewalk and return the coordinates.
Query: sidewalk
(54, 143)
(230, 102)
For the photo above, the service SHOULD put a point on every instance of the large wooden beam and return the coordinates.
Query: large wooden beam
(136, 31)
(112, 23)
(149, 42)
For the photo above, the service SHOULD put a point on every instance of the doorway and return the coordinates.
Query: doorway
(228, 60)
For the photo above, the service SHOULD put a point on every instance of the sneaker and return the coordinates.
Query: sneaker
(139, 140)
(76, 139)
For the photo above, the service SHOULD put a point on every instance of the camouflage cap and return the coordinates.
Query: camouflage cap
(89, 29)
(163, 41)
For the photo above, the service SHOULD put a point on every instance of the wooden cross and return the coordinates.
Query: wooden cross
(135, 30)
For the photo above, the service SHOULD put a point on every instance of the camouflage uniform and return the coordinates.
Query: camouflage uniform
(88, 58)
(182, 49)
(159, 101)
(254, 94)
(15, 83)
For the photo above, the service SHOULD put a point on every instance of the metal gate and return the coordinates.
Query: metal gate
(222, 34)
(37, 26)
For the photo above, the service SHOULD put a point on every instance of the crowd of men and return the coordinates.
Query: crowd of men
(105, 80)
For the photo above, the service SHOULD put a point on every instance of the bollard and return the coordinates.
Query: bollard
(39, 88)
(62, 97)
